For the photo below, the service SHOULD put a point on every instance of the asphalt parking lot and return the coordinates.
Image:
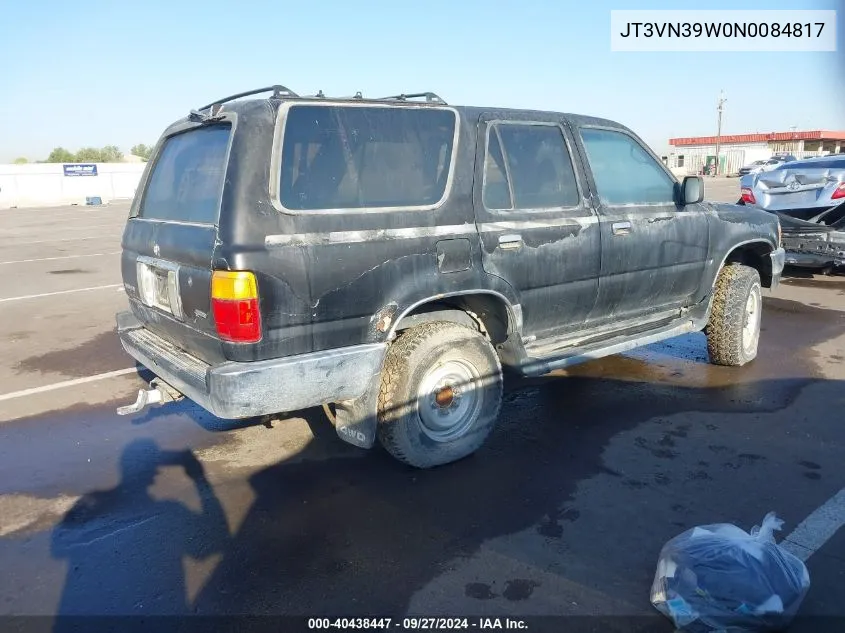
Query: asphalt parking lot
(563, 512)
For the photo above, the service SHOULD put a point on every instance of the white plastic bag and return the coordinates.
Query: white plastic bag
(721, 578)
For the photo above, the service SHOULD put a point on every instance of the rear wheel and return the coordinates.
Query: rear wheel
(440, 395)
(733, 331)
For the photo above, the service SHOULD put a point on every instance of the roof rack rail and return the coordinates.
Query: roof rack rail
(430, 97)
(278, 92)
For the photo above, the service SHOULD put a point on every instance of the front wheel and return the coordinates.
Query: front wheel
(733, 331)
(440, 395)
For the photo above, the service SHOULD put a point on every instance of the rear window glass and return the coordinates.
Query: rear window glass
(187, 179)
(336, 157)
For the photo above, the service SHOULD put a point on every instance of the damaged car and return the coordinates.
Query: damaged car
(390, 258)
(800, 189)
(818, 243)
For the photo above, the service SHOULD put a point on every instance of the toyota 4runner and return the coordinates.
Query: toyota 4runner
(393, 257)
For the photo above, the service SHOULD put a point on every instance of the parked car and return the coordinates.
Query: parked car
(391, 257)
(801, 189)
(817, 243)
(751, 167)
(777, 161)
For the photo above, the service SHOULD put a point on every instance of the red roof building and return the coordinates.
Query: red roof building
(694, 153)
(738, 139)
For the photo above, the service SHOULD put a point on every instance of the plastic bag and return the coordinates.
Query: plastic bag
(721, 578)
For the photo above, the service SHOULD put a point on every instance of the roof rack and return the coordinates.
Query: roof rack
(430, 97)
(278, 92)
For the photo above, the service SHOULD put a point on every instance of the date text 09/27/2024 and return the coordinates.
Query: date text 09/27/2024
(417, 624)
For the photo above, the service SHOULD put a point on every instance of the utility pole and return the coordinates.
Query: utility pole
(719, 109)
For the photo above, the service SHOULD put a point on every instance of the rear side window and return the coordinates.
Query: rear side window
(624, 172)
(187, 179)
(343, 157)
(528, 167)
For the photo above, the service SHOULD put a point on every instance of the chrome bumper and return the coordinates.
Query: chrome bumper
(233, 390)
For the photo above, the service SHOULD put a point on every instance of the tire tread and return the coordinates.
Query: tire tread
(394, 366)
(724, 328)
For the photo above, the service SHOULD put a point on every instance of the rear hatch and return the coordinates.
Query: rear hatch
(171, 235)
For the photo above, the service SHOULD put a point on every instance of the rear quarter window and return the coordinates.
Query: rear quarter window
(345, 157)
(187, 178)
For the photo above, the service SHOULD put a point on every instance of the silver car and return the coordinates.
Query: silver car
(752, 168)
(800, 189)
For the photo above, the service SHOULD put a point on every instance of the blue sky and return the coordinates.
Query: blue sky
(96, 72)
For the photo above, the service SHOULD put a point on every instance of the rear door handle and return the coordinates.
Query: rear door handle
(510, 241)
(621, 228)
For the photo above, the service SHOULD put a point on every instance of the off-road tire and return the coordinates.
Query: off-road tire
(408, 362)
(724, 330)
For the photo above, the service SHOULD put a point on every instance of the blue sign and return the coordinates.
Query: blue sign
(80, 170)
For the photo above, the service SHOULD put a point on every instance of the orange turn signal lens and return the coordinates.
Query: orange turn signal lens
(233, 285)
(234, 303)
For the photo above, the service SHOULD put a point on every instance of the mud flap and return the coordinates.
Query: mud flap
(356, 420)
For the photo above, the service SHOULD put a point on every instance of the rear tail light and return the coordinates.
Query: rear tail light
(747, 195)
(234, 303)
(839, 192)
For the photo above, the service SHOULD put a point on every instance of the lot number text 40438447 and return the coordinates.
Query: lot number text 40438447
(418, 624)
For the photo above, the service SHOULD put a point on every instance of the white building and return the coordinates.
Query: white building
(690, 155)
(51, 184)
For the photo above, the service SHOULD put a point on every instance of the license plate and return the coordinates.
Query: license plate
(158, 286)
(160, 289)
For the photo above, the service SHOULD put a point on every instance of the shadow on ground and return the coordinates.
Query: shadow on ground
(338, 532)
(355, 537)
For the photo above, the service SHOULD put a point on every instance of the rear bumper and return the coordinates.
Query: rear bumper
(234, 390)
(813, 260)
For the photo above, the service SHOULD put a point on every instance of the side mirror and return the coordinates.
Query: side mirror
(692, 190)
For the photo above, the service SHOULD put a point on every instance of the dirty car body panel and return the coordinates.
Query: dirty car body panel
(344, 221)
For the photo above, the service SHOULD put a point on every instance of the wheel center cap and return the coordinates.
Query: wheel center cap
(444, 397)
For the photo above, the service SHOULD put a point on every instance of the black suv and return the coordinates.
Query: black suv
(393, 257)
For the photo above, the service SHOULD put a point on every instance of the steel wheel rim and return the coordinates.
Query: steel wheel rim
(449, 400)
(751, 323)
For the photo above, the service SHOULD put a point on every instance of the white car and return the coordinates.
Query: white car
(766, 165)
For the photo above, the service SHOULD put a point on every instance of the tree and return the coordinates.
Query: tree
(21, 161)
(60, 155)
(142, 151)
(89, 155)
(111, 154)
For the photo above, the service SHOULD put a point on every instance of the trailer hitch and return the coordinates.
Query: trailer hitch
(159, 393)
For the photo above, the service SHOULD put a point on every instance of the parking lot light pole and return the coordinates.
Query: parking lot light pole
(719, 109)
